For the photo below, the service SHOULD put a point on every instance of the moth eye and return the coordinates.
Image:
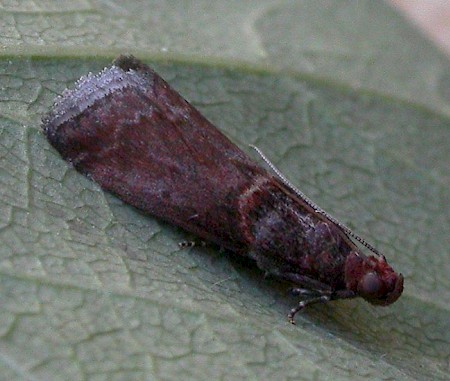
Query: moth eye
(370, 284)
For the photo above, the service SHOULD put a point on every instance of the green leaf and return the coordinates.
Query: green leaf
(344, 97)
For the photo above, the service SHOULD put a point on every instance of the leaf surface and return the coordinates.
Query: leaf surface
(344, 97)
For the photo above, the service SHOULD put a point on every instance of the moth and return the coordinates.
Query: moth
(130, 132)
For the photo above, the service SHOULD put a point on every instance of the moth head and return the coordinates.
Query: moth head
(373, 279)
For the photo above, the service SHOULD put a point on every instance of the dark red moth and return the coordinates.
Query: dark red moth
(130, 132)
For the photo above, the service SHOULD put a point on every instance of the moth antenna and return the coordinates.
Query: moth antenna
(313, 205)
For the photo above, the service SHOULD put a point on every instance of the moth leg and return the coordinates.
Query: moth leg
(191, 243)
(343, 294)
(307, 292)
(307, 302)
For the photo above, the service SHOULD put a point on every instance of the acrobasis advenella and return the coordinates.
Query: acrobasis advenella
(129, 131)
